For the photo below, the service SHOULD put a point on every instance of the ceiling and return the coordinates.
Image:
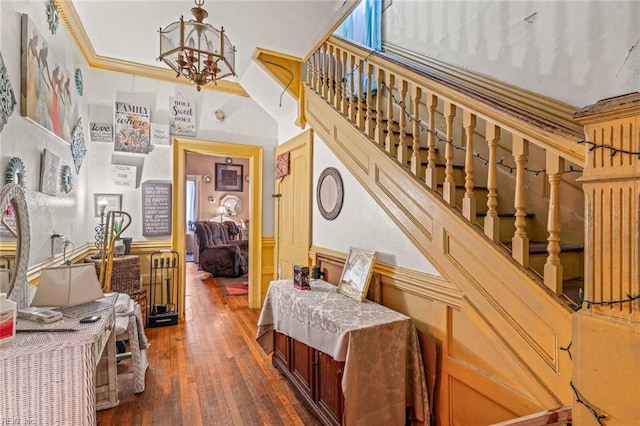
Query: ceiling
(128, 30)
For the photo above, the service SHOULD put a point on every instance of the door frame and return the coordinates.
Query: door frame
(255, 155)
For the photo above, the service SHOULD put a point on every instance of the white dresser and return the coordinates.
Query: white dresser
(59, 378)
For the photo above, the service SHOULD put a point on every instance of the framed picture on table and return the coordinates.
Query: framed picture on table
(229, 177)
(356, 274)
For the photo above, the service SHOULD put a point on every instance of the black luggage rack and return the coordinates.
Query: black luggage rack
(163, 288)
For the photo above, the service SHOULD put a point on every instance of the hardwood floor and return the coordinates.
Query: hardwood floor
(209, 370)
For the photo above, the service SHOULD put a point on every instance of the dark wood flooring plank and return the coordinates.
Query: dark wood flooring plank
(209, 370)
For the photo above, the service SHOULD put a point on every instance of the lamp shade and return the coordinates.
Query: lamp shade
(68, 285)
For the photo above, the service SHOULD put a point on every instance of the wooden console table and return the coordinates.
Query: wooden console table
(59, 378)
(324, 340)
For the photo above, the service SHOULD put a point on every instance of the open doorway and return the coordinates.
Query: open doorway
(253, 154)
(218, 210)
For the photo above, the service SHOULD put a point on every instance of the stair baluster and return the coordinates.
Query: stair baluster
(553, 267)
(311, 69)
(324, 68)
(331, 80)
(449, 187)
(431, 174)
(340, 66)
(379, 132)
(352, 76)
(402, 153)
(369, 123)
(492, 221)
(520, 241)
(469, 200)
(416, 155)
(343, 83)
(360, 96)
(390, 143)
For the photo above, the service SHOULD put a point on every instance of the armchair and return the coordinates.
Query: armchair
(218, 255)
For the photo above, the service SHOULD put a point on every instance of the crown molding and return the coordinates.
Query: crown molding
(73, 23)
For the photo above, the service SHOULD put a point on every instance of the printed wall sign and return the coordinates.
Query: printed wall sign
(123, 176)
(182, 116)
(101, 132)
(156, 208)
(160, 134)
(132, 128)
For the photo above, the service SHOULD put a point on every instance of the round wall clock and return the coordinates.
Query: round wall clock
(206, 179)
(15, 172)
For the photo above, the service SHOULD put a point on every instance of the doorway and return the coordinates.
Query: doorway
(181, 147)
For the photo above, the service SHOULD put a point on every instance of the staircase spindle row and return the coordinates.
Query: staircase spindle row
(399, 110)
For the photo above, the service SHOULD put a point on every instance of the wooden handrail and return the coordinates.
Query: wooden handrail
(551, 135)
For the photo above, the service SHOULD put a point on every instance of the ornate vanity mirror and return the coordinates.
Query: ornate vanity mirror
(329, 193)
(19, 290)
(232, 204)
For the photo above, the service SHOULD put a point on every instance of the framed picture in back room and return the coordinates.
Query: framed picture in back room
(229, 177)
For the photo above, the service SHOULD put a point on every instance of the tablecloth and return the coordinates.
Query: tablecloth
(383, 368)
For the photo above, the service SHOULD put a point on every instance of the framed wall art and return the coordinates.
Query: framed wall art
(182, 116)
(49, 173)
(132, 128)
(229, 177)
(356, 274)
(47, 93)
(114, 203)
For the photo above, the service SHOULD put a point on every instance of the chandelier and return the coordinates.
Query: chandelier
(196, 50)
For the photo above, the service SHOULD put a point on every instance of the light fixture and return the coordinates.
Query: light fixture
(197, 50)
(222, 210)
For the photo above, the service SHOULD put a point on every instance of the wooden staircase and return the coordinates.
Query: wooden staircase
(475, 186)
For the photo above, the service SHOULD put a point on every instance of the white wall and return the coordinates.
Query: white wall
(72, 214)
(107, 87)
(573, 51)
(64, 213)
(362, 223)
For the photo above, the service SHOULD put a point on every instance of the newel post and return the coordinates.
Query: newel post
(606, 331)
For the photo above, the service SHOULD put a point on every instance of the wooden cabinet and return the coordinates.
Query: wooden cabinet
(314, 374)
(329, 397)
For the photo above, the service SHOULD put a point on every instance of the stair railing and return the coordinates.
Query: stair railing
(455, 139)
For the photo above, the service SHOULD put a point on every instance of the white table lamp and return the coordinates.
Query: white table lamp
(68, 285)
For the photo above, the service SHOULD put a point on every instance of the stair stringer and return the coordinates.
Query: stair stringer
(529, 319)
